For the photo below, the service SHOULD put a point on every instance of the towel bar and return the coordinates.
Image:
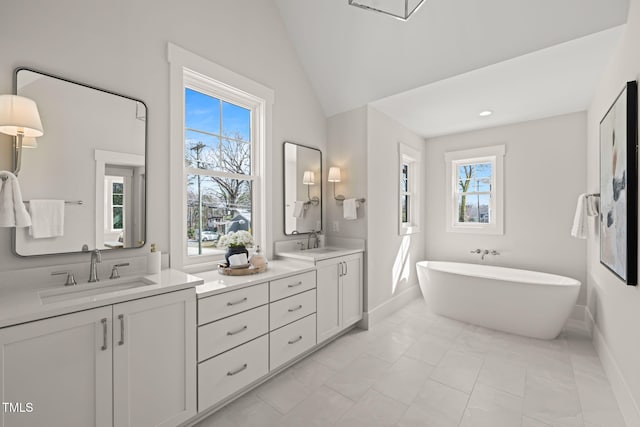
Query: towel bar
(67, 202)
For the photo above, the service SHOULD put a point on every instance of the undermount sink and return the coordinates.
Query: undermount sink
(320, 250)
(91, 289)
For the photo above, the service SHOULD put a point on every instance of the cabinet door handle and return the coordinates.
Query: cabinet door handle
(104, 334)
(291, 310)
(240, 301)
(293, 285)
(295, 340)
(237, 371)
(244, 328)
(346, 269)
(340, 270)
(121, 318)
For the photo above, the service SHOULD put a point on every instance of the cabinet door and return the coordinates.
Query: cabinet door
(61, 367)
(328, 299)
(351, 289)
(154, 360)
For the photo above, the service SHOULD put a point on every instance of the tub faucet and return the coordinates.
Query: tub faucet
(96, 257)
(484, 254)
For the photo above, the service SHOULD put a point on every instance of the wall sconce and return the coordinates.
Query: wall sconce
(19, 117)
(308, 179)
(335, 176)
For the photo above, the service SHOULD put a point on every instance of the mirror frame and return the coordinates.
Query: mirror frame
(146, 156)
(284, 186)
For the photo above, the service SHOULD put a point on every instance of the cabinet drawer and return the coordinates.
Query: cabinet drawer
(292, 340)
(217, 337)
(231, 371)
(291, 309)
(224, 305)
(288, 286)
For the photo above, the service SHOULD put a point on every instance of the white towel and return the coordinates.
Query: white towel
(47, 217)
(593, 205)
(13, 213)
(298, 209)
(579, 228)
(350, 208)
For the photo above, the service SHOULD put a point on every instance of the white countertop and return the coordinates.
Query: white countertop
(21, 302)
(313, 255)
(216, 283)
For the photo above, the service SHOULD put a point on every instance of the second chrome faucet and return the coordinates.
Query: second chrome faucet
(96, 258)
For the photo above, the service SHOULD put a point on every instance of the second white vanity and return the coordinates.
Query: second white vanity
(252, 327)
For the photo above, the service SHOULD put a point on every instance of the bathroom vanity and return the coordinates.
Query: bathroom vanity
(132, 351)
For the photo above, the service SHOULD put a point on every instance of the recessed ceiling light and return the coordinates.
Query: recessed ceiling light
(485, 113)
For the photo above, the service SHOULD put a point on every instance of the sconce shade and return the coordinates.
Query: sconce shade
(334, 174)
(308, 178)
(19, 115)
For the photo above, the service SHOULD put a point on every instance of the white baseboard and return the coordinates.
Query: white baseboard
(628, 406)
(389, 307)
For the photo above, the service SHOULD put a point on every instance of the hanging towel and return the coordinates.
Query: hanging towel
(13, 213)
(47, 217)
(350, 208)
(298, 209)
(593, 205)
(579, 228)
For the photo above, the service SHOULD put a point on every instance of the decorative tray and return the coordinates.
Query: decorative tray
(227, 271)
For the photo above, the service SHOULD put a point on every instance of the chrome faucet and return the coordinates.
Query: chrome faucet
(96, 257)
(313, 235)
(484, 254)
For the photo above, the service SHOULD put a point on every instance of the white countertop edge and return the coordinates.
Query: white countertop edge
(313, 257)
(24, 307)
(216, 283)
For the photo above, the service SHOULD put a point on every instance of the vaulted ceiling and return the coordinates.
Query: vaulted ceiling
(435, 72)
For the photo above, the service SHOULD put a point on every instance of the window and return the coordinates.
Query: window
(117, 205)
(474, 199)
(218, 151)
(219, 134)
(409, 176)
(114, 208)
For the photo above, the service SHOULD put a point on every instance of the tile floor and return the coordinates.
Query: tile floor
(419, 369)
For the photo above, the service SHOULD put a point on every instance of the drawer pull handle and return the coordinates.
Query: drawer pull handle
(291, 310)
(104, 334)
(293, 285)
(240, 301)
(295, 340)
(121, 318)
(237, 371)
(244, 328)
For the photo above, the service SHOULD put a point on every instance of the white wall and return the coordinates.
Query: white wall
(392, 258)
(121, 46)
(347, 149)
(544, 174)
(614, 306)
(364, 144)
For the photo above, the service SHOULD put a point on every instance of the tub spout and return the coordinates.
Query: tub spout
(484, 254)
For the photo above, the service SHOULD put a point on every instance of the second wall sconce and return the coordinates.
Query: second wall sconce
(335, 176)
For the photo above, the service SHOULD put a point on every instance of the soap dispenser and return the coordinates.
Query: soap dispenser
(258, 260)
(154, 260)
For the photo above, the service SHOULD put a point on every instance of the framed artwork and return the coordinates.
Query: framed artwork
(619, 186)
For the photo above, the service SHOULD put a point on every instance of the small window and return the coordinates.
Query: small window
(474, 199)
(117, 205)
(409, 173)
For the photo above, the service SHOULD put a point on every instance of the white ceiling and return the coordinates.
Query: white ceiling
(453, 58)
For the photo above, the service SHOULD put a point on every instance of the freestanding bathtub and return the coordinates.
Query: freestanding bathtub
(517, 301)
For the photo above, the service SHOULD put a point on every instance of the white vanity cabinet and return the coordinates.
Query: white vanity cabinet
(339, 294)
(128, 364)
(61, 368)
